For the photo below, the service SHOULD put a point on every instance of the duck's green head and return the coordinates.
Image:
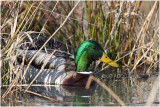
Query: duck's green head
(88, 52)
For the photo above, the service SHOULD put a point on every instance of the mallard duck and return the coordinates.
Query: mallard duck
(64, 70)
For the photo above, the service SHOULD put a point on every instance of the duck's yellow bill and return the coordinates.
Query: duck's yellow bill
(106, 59)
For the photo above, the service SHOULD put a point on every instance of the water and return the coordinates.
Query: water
(132, 93)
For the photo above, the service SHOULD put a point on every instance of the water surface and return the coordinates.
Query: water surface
(131, 91)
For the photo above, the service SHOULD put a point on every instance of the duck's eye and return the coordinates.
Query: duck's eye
(95, 48)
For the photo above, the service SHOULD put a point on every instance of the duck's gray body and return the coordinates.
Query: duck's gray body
(57, 70)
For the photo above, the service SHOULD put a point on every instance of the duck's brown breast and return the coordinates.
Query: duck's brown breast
(77, 79)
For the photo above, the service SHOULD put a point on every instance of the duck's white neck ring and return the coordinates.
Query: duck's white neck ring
(90, 72)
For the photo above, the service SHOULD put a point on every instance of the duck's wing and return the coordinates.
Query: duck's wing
(55, 61)
(57, 68)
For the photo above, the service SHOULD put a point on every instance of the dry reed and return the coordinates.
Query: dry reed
(49, 38)
(91, 77)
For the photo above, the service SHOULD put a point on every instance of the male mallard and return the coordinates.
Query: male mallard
(60, 70)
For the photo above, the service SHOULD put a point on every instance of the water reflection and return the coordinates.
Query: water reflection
(132, 91)
(78, 95)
